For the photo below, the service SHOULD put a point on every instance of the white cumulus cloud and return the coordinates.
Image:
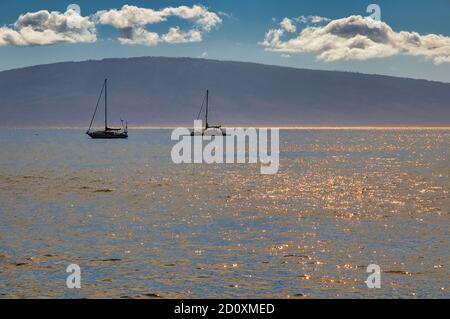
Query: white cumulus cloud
(288, 25)
(132, 21)
(45, 28)
(175, 35)
(357, 38)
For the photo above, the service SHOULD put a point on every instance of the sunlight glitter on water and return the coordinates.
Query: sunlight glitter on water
(142, 227)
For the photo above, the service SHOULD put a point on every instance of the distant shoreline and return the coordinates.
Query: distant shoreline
(285, 128)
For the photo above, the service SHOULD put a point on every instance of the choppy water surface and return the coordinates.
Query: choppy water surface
(142, 227)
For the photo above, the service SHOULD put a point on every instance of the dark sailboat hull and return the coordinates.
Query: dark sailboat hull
(108, 135)
(208, 134)
(208, 130)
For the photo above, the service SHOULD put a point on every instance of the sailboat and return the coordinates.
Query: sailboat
(208, 129)
(107, 133)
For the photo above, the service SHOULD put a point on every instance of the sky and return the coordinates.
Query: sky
(406, 39)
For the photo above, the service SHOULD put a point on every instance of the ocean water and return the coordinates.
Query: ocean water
(140, 226)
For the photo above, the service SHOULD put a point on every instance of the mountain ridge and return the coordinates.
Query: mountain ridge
(163, 91)
(225, 61)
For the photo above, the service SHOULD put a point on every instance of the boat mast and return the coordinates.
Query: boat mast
(207, 109)
(96, 108)
(106, 104)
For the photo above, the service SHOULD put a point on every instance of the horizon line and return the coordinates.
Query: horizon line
(307, 127)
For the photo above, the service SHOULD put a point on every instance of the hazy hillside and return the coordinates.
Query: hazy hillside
(169, 91)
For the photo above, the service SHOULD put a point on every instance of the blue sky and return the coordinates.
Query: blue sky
(240, 34)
